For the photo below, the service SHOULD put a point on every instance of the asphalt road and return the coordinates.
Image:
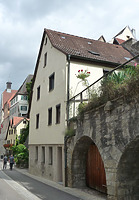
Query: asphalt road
(39, 189)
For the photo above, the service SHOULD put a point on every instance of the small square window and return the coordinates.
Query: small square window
(50, 116)
(24, 108)
(58, 114)
(38, 93)
(37, 121)
(51, 82)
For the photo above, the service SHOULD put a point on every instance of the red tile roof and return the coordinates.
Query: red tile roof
(120, 41)
(7, 95)
(87, 48)
(16, 120)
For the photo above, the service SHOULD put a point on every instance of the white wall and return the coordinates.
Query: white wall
(54, 134)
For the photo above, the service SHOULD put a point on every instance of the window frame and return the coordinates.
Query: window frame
(51, 155)
(49, 116)
(37, 120)
(58, 113)
(43, 155)
(51, 81)
(45, 59)
(36, 153)
(38, 92)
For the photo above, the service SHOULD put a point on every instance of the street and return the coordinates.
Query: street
(16, 184)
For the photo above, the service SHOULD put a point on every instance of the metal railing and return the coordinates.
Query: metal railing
(84, 95)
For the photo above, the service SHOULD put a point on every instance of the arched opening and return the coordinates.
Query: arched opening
(87, 166)
(128, 172)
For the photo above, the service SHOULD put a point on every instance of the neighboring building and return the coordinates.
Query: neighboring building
(19, 102)
(60, 57)
(5, 108)
(15, 127)
(124, 35)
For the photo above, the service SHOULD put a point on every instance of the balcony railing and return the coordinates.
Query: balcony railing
(84, 95)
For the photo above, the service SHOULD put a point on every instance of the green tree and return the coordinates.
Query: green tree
(24, 134)
(29, 89)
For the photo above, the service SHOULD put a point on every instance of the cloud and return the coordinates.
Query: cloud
(22, 24)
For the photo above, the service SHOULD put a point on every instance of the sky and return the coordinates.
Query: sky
(22, 23)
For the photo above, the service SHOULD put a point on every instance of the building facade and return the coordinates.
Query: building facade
(61, 58)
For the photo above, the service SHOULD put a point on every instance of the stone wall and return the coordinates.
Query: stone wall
(114, 128)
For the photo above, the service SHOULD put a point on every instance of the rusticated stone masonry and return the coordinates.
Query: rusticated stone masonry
(114, 128)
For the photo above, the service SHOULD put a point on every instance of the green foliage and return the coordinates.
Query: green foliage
(81, 107)
(70, 132)
(123, 83)
(28, 86)
(21, 154)
(24, 134)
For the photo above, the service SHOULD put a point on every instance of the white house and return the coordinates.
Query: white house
(60, 58)
(124, 35)
(19, 102)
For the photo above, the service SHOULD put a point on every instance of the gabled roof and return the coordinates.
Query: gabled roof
(87, 48)
(7, 95)
(83, 48)
(121, 31)
(17, 120)
(23, 89)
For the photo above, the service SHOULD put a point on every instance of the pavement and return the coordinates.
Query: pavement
(84, 194)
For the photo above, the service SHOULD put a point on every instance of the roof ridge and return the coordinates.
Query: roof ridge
(72, 35)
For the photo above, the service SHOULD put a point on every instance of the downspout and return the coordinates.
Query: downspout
(66, 137)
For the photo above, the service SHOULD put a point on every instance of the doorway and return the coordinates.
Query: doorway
(59, 164)
(95, 172)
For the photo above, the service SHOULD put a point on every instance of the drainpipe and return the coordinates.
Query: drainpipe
(66, 137)
(68, 87)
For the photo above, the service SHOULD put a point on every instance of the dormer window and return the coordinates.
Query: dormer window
(94, 53)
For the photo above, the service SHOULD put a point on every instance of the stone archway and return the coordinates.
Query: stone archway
(83, 158)
(128, 172)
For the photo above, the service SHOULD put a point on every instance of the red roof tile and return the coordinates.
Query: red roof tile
(16, 120)
(8, 95)
(120, 41)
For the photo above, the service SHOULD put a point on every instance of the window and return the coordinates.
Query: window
(58, 114)
(37, 121)
(36, 153)
(38, 93)
(51, 82)
(45, 59)
(50, 156)
(50, 116)
(43, 154)
(23, 97)
(24, 108)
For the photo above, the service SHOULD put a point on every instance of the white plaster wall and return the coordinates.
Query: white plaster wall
(76, 86)
(56, 63)
(127, 32)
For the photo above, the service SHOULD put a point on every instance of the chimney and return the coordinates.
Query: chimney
(8, 87)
